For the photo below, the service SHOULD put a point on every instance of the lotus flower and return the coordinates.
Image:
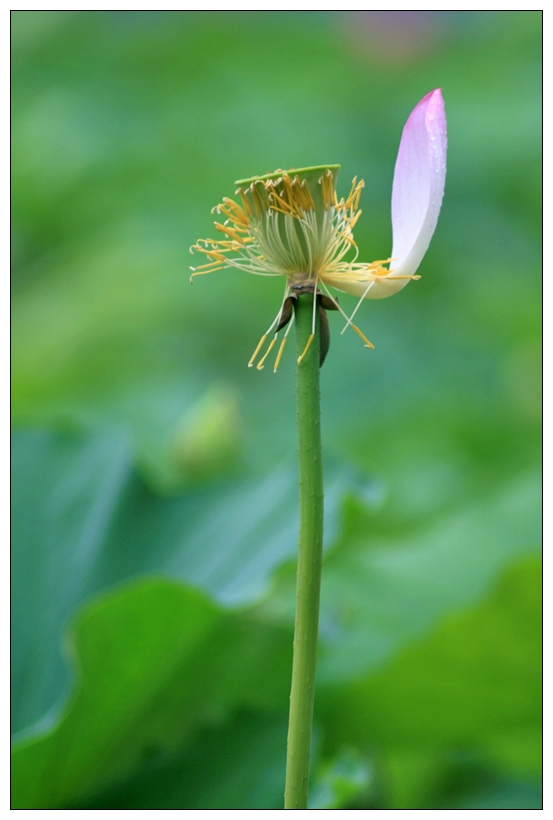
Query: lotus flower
(292, 224)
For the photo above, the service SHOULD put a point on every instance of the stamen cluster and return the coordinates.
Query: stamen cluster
(283, 228)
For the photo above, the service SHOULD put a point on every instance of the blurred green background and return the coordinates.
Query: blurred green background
(154, 489)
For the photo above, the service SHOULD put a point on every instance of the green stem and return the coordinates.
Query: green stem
(309, 559)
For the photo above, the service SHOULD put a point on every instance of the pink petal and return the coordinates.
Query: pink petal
(417, 193)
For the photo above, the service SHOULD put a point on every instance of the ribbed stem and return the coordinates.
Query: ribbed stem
(309, 559)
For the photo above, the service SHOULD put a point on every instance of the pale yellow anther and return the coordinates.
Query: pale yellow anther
(257, 349)
(257, 201)
(347, 238)
(354, 219)
(279, 354)
(284, 206)
(367, 343)
(260, 363)
(307, 346)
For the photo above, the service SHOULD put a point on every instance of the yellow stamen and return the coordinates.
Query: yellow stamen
(412, 276)
(307, 194)
(247, 208)
(257, 201)
(349, 201)
(279, 354)
(235, 207)
(348, 239)
(287, 212)
(199, 272)
(280, 205)
(354, 218)
(302, 201)
(348, 319)
(260, 363)
(229, 232)
(329, 196)
(257, 349)
(216, 259)
(367, 343)
(240, 222)
(307, 346)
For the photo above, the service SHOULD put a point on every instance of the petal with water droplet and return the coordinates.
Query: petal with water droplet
(418, 189)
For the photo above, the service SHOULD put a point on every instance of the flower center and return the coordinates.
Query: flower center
(291, 219)
(290, 223)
